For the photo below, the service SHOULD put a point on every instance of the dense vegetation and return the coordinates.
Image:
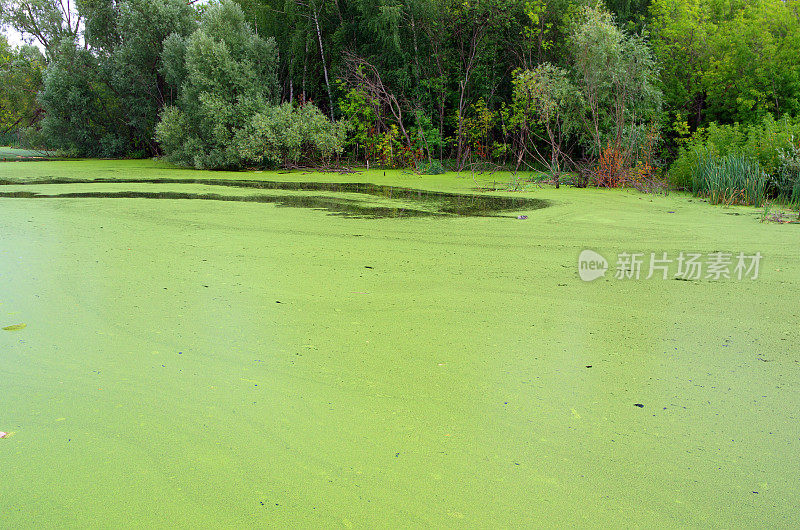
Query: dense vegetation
(611, 93)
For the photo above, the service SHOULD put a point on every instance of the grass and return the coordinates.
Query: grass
(733, 179)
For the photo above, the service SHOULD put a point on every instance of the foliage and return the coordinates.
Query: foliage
(542, 83)
(80, 117)
(48, 22)
(393, 153)
(785, 181)
(20, 79)
(606, 99)
(359, 110)
(764, 142)
(285, 135)
(226, 75)
(732, 179)
(547, 97)
(477, 127)
(127, 37)
(731, 61)
(754, 70)
(426, 138)
(616, 75)
(434, 167)
(102, 97)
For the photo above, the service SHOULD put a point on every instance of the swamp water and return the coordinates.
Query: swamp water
(346, 199)
(207, 363)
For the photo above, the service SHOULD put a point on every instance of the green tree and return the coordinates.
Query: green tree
(116, 74)
(225, 73)
(359, 109)
(20, 80)
(81, 115)
(681, 37)
(755, 64)
(547, 108)
(47, 21)
(629, 14)
(617, 76)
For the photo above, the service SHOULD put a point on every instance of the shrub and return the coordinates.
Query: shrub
(226, 74)
(611, 169)
(714, 141)
(435, 167)
(285, 135)
(762, 142)
(786, 179)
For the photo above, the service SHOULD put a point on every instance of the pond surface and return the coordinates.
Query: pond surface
(356, 199)
(221, 363)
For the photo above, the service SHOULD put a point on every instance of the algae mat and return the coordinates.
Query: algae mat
(190, 363)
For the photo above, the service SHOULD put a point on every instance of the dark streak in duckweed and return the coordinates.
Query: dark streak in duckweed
(341, 207)
(437, 203)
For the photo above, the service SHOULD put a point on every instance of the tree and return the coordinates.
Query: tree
(366, 78)
(80, 114)
(682, 31)
(128, 36)
(225, 74)
(756, 63)
(226, 114)
(115, 74)
(616, 76)
(546, 98)
(20, 80)
(47, 21)
(629, 14)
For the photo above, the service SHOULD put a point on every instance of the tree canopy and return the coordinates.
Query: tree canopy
(483, 81)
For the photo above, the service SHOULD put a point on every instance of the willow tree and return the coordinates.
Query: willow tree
(617, 77)
(547, 108)
(226, 73)
(20, 80)
(48, 22)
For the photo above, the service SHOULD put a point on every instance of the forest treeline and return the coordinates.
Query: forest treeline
(620, 87)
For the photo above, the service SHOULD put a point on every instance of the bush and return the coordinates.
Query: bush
(285, 135)
(762, 142)
(714, 141)
(435, 167)
(226, 74)
(786, 179)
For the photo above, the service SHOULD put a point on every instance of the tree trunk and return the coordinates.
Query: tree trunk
(416, 48)
(291, 79)
(460, 147)
(324, 66)
(305, 72)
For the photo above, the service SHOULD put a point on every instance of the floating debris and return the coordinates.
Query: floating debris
(3, 434)
(15, 327)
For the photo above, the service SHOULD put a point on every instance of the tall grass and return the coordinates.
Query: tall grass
(732, 179)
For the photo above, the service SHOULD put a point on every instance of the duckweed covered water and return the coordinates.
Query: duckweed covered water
(349, 199)
(208, 363)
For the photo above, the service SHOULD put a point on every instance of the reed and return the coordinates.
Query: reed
(733, 179)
